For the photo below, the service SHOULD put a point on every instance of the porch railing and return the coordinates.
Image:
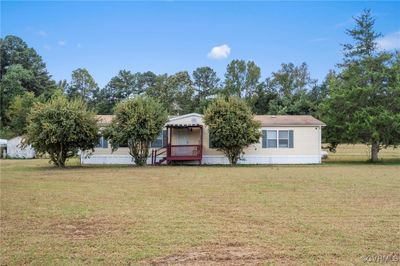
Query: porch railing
(176, 152)
(184, 151)
(156, 153)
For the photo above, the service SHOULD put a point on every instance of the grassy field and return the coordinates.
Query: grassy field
(361, 153)
(315, 214)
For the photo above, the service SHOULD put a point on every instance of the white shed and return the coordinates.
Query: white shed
(3, 143)
(3, 148)
(15, 149)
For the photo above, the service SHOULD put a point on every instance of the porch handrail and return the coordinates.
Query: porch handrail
(167, 153)
(189, 150)
(160, 149)
(156, 152)
(184, 145)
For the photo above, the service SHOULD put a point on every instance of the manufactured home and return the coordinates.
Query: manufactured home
(16, 149)
(286, 139)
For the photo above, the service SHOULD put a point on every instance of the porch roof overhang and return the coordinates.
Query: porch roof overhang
(183, 125)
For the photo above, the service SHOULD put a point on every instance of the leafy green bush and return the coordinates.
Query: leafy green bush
(61, 128)
(137, 122)
(231, 126)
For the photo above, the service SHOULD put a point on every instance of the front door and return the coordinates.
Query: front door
(182, 139)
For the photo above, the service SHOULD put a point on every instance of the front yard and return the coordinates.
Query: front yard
(323, 214)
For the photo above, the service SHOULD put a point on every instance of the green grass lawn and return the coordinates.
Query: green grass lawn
(313, 214)
(359, 153)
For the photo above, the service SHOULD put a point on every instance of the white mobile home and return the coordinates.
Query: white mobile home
(288, 139)
(15, 149)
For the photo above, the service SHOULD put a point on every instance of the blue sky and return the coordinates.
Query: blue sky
(166, 37)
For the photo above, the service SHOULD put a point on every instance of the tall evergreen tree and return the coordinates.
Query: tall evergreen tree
(126, 84)
(241, 78)
(263, 98)
(82, 86)
(62, 85)
(318, 94)
(292, 84)
(364, 101)
(15, 82)
(206, 85)
(145, 81)
(174, 92)
(181, 86)
(21, 70)
(14, 51)
(364, 37)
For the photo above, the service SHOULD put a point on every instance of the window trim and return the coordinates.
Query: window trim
(290, 139)
(279, 139)
(276, 139)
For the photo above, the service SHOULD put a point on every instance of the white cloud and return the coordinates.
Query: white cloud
(219, 52)
(47, 47)
(390, 41)
(62, 43)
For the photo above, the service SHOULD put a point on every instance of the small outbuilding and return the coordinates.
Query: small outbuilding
(3, 148)
(15, 149)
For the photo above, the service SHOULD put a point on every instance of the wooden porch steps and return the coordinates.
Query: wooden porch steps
(163, 159)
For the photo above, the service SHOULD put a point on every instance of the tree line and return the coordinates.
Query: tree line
(359, 101)
(290, 90)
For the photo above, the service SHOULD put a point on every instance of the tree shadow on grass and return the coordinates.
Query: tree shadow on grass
(391, 161)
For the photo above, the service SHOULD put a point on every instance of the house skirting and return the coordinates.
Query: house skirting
(265, 159)
(212, 159)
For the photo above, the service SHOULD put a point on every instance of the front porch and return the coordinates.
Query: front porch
(184, 143)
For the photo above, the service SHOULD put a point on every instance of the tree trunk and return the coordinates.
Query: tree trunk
(139, 152)
(374, 151)
(62, 163)
(58, 159)
(232, 157)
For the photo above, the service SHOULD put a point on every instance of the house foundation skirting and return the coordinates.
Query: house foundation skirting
(265, 159)
(211, 159)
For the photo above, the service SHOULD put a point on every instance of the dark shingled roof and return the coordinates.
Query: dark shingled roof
(288, 120)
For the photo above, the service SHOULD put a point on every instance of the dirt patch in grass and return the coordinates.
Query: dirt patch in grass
(219, 254)
(86, 228)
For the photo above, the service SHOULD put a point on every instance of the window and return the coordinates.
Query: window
(283, 139)
(103, 143)
(271, 139)
(277, 138)
(161, 140)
